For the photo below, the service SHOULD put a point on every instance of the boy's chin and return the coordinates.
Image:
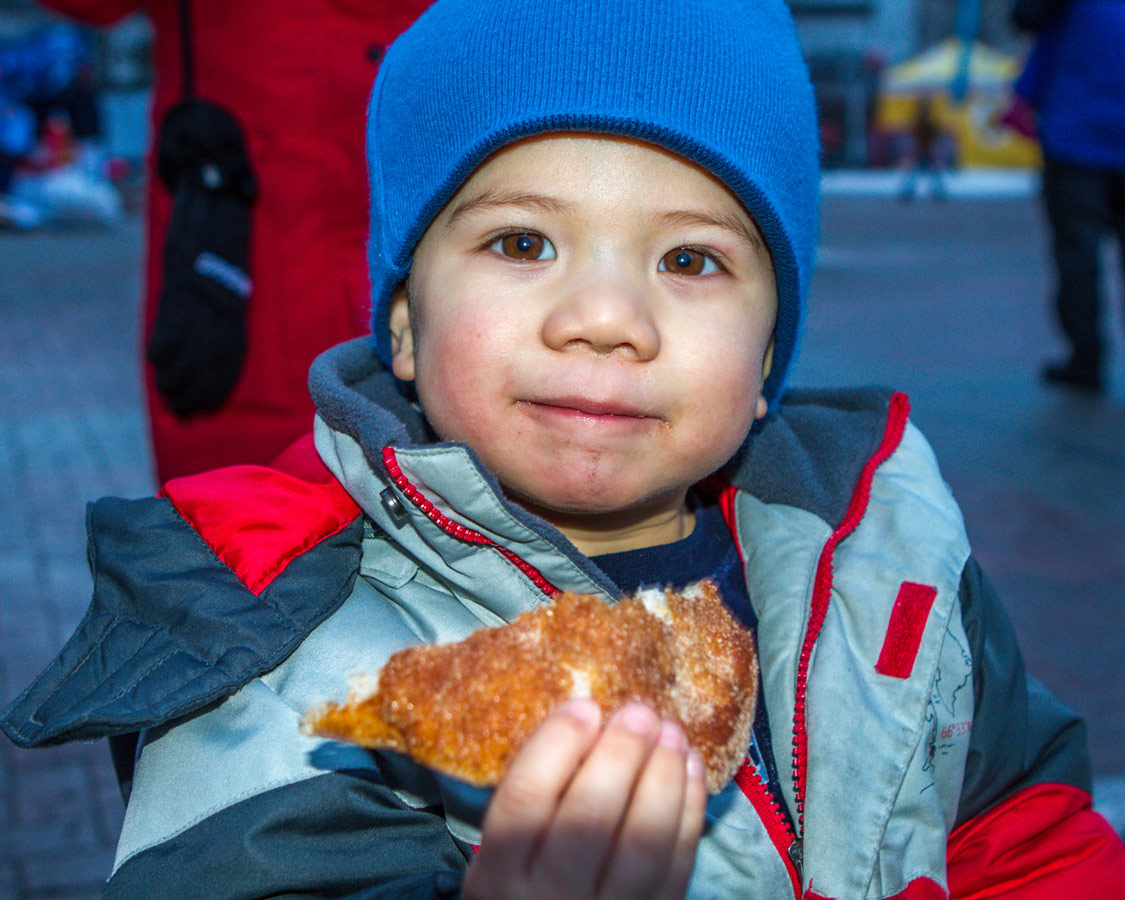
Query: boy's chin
(615, 510)
(614, 524)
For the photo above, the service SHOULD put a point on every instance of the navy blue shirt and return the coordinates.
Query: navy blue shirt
(708, 552)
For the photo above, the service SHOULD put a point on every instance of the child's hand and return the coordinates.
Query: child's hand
(588, 812)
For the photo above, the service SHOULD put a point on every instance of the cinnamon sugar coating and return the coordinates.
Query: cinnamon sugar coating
(466, 709)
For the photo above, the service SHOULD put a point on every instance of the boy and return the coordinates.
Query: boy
(593, 232)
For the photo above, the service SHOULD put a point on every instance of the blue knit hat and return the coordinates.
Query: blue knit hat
(719, 82)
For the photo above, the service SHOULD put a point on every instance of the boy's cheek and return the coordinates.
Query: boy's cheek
(453, 389)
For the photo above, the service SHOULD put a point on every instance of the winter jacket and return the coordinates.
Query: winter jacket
(297, 78)
(1075, 80)
(917, 757)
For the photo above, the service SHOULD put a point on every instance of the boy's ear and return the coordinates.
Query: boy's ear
(767, 363)
(402, 335)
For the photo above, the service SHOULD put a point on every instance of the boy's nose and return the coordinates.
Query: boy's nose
(604, 316)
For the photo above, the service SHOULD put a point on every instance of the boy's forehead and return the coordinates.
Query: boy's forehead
(541, 172)
(559, 145)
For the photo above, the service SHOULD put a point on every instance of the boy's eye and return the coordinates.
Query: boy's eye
(525, 246)
(683, 261)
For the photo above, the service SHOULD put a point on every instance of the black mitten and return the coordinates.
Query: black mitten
(198, 342)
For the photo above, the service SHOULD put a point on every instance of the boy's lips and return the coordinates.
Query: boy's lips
(590, 410)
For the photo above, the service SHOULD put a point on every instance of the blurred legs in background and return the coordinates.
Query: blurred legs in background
(1083, 206)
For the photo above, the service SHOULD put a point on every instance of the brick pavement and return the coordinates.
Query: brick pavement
(1041, 475)
(71, 430)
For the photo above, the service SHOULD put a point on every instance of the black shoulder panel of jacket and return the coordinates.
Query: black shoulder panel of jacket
(171, 629)
(328, 836)
(1022, 734)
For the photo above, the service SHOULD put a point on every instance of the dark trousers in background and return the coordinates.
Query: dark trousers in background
(7, 169)
(1083, 206)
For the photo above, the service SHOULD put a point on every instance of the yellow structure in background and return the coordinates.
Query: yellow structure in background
(973, 124)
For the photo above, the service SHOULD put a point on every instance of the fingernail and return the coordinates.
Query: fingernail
(694, 764)
(637, 718)
(584, 710)
(672, 736)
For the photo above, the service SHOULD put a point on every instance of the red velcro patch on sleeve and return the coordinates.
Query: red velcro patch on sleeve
(904, 631)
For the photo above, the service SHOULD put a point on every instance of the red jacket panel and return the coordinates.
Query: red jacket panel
(257, 519)
(1044, 842)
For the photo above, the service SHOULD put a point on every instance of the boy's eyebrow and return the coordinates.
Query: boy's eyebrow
(728, 221)
(490, 199)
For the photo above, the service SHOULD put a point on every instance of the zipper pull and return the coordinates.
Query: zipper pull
(796, 855)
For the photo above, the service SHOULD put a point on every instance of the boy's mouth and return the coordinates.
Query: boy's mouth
(585, 409)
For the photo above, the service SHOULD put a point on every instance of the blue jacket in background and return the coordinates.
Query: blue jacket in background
(1075, 79)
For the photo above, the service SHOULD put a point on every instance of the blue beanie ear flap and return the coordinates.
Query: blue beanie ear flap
(720, 82)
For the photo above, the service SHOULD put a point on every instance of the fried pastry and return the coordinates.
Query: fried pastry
(466, 708)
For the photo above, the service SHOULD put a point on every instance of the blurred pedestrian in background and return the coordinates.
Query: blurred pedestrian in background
(1075, 81)
(928, 152)
(294, 81)
(53, 160)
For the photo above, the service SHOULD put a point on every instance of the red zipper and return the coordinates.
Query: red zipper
(768, 808)
(897, 416)
(456, 529)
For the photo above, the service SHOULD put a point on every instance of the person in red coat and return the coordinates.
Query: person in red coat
(298, 83)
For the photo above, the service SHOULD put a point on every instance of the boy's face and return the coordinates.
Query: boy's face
(592, 315)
